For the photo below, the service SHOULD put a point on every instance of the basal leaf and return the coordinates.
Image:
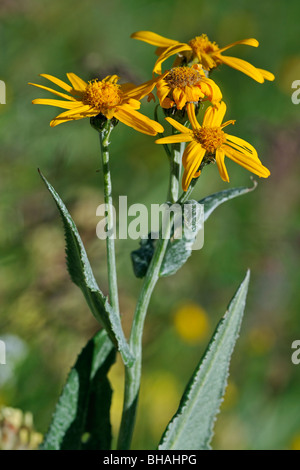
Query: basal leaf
(82, 275)
(82, 416)
(191, 428)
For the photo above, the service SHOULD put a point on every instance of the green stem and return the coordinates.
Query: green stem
(133, 374)
(104, 134)
(175, 169)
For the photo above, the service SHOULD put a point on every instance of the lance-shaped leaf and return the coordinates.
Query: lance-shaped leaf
(214, 200)
(186, 234)
(82, 416)
(82, 275)
(179, 250)
(191, 428)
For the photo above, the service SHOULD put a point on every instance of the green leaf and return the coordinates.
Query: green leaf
(82, 416)
(214, 200)
(191, 428)
(82, 275)
(180, 249)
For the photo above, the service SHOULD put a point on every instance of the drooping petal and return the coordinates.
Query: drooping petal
(58, 93)
(153, 38)
(77, 83)
(137, 121)
(267, 75)
(242, 66)
(193, 154)
(206, 60)
(73, 115)
(220, 157)
(58, 103)
(57, 81)
(243, 159)
(211, 90)
(214, 115)
(249, 42)
(179, 97)
(241, 144)
(172, 50)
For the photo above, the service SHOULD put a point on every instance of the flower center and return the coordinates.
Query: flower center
(201, 44)
(180, 77)
(102, 95)
(210, 138)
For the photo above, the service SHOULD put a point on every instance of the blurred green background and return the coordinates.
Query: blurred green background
(44, 319)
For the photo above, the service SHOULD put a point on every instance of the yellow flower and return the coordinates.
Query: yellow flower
(186, 84)
(210, 143)
(101, 96)
(200, 48)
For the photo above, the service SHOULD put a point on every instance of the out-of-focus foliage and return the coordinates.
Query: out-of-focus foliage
(44, 320)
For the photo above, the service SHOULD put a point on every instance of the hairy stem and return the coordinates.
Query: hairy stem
(110, 241)
(133, 374)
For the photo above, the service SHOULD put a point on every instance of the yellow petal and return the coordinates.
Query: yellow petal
(57, 81)
(214, 115)
(179, 97)
(249, 42)
(172, 139)
(178, 126)
(137, 121)
(242, 66)
(172, 50)
(192, 117)
(111, 79)
(77, 83)
(267, 75)
(241, 144)
(139, 91)
(73, 115)
(153, 38)
(193, 154)
(246, 161)
(58, 103)
(55, 122)
(220, 157)
(58, 93)
(215, 93)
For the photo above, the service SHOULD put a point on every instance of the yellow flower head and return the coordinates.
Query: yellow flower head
(209, 142)
(200, 48)
(100, 96)
(186, 84)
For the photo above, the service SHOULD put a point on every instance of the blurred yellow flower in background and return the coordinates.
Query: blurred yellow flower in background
(17, 431)
(191, 322)
(100, 96)
(200, 48)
